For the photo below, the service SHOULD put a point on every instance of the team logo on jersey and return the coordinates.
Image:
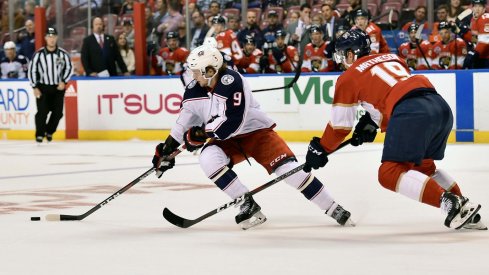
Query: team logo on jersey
(227, 79)
(164, 55)
(373, 39)
(405, 52)
(308, 53)
(201, 53)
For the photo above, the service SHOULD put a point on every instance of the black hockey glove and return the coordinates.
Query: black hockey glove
(316, 156)
(162, 151)
(195, 138)
(365, 130)
(470, 59)
(279, 56)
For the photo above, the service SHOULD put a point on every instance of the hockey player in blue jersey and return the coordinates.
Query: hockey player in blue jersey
(219, 104)
(13, 66)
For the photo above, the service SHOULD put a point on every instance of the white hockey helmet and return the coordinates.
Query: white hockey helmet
(9, 45)
(204, 56)
(210, 41)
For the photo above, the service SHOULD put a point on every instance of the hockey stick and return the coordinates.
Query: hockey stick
(296, 76)
(61, 217)
(418, 38)
(185, 223)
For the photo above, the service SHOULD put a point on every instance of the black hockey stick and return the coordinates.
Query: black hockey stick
(61, 217)
(185, 223)
(418, 38)
(296, 76)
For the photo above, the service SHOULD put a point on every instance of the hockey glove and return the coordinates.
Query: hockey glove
(162, 151)
(195, 138)
(470, 59)
(365, 130)
(279, 56)
(316, 156)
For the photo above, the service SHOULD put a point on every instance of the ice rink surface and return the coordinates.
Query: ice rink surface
(394, 235)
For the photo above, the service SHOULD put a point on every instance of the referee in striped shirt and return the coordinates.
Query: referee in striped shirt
(49, 71)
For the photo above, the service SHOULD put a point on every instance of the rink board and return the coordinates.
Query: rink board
(147, 107)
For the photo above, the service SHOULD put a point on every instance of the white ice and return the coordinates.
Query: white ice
(394, 235)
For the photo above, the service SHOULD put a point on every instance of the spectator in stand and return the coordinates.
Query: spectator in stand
(13, 65)
(441, 16)
(182, 34)
(336, 13)
(127, 7)
(170, 23)
(315, 59)
(214, 8)
(349, 14)
(317, 19)
(251, 29)
(19, 18)
(250, 63)
(378, 44)
(332, 22)
(128, 29)
(282, 58)
(478, 55)
(150, 23)
(298, 30)
(100, 53)
(29, 7)
(234, 24)
(294, 17)
(454, 10)
(268, 33)
(200, 29)
(416, 57)
(127, 54)
(161, 10)
(173, 56)
(26, 40)
(448, 53)
(419, 19)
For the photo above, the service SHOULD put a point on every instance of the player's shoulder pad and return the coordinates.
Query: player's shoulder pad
(193, 90)
(229, 83)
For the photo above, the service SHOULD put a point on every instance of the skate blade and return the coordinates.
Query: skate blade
(350, 223)
(459, 221)
(257, 219)
(475, 226)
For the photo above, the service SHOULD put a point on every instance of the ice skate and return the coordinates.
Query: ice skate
(475, 223)
(250, 214)
(49, 137)
(459, 210)
(341, 215)
(39, 139)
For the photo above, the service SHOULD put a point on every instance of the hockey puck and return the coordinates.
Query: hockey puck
(35, 218)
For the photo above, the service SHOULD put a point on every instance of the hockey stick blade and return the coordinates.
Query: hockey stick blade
(61, 217)
(186, 223)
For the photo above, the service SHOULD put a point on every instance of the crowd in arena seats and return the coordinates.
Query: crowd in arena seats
(275, 32)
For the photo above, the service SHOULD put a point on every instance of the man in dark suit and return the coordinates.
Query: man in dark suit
(100, 53)
(200, 29)
(299, 31)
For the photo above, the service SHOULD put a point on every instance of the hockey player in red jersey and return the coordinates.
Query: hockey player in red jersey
(415, 118)
(282, 58)
(172, 57)
(378, 43)
(250, 63)
(219, 105)
(448, 53)
(478, 57)
(227, 41)
(315, 59)
(417, 58)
